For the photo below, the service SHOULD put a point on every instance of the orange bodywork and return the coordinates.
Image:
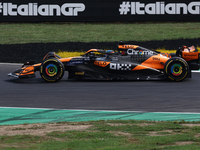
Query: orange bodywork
(156, 62)
(28, 70)
(128, 46)
(101, 63)
(36, 65)
(190, 55)
(66, 59)
(92, 50)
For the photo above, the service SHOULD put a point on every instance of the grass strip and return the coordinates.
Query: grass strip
(12, 33)
(104, 135)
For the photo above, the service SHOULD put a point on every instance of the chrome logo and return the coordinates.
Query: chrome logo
(141, 52)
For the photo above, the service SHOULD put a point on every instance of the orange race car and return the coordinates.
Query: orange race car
(130, 62)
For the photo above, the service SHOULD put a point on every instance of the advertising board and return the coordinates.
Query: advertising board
(98, 10)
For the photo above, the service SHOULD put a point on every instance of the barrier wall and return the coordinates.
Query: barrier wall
(98, 10)
(20, 53)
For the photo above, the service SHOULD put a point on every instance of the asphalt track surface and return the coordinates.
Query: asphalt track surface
(148, 96)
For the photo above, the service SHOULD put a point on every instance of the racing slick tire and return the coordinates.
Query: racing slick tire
(176, 69)
(52, 70)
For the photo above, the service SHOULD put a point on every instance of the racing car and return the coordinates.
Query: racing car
(129, 62)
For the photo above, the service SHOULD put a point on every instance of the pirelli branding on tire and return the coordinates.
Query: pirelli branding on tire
(99, 10)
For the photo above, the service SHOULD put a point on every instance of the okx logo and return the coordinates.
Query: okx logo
(33, 9)
(158, 8)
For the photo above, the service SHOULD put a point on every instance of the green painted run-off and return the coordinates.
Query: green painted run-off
(10, 116)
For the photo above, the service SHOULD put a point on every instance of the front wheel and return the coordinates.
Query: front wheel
(52, 70)
(176, 69)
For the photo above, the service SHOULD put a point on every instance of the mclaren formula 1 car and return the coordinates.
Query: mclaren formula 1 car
(129, 62)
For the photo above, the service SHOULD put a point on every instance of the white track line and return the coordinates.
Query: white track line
(196, 71)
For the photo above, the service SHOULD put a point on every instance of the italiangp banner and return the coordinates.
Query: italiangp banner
(98, 10)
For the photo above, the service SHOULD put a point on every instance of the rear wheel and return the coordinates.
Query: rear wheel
(176, 69)
(52, 70)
